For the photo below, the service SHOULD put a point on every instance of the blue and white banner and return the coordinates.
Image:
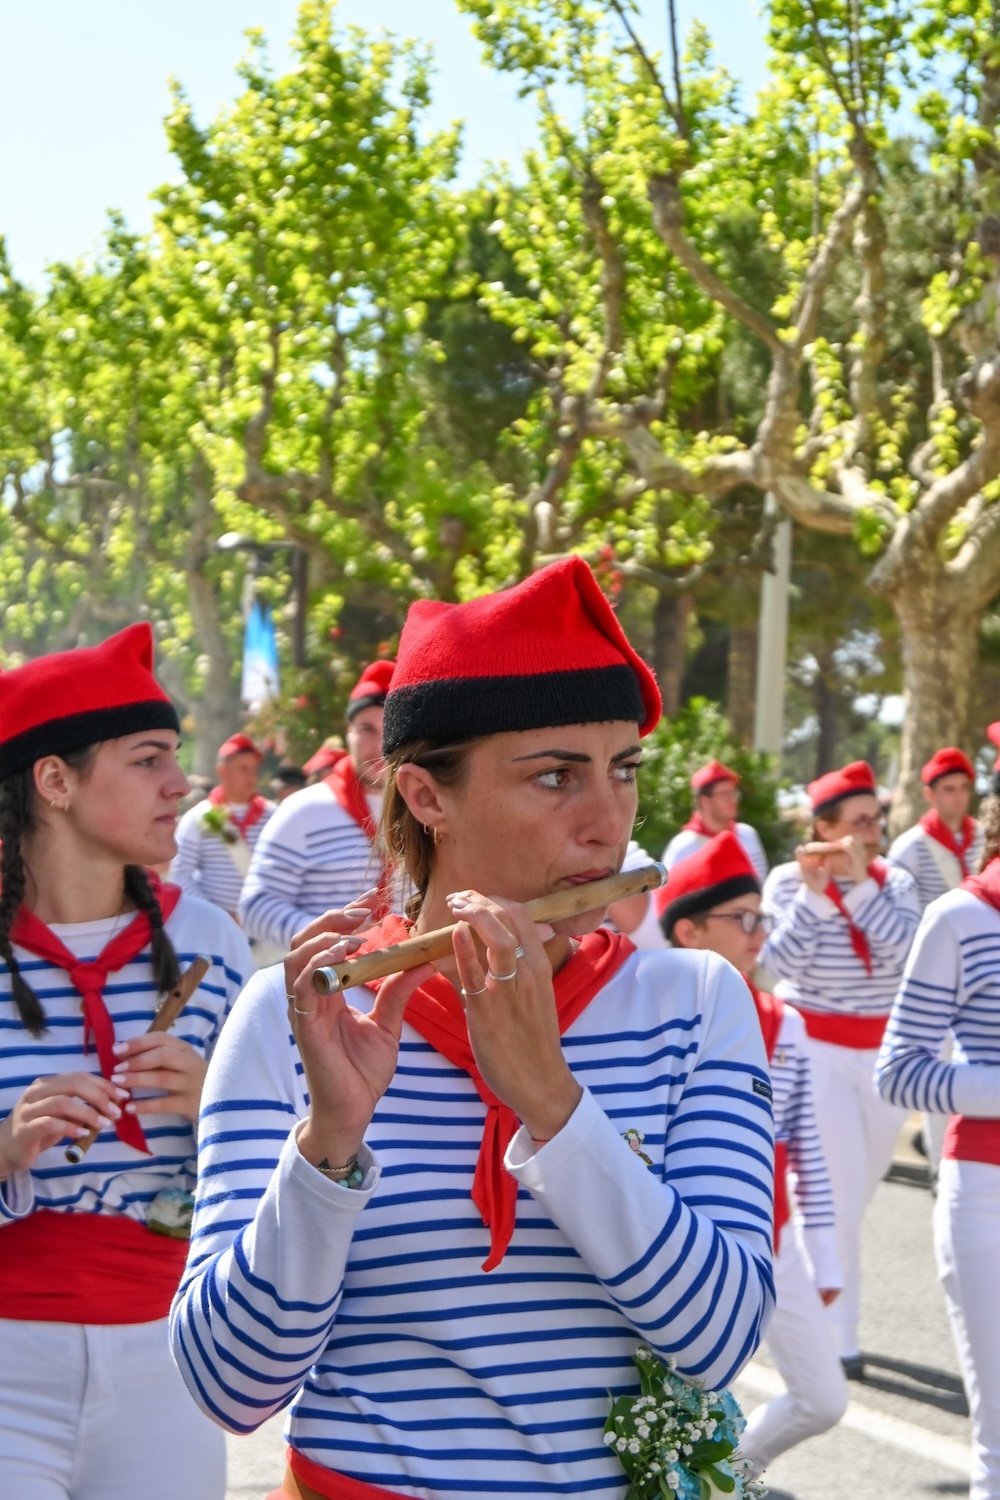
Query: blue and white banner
(261, 677)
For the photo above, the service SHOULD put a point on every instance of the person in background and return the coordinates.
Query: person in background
(716, 806)
(951, 987)
(323, 760)
(426, 1208)
(946, 845)
(843, 924)
(712, 903)
(635, 916)
(91, 1250)
(288, 779)
(216, 838)
(318, 851)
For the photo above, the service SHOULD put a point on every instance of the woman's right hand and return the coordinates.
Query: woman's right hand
(349, 1056)
(66, 1105)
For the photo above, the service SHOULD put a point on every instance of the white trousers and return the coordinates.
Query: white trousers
(801, 1342)
(858, 1131)
(967, 1245)
(100, 1412)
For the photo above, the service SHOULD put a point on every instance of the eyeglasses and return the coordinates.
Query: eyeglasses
(750, 921)
(862, 825)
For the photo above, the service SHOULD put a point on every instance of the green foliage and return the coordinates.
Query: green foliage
(675, 750)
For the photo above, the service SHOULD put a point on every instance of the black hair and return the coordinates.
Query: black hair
(17, 821)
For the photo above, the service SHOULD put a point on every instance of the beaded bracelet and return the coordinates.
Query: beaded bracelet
(349, 1176)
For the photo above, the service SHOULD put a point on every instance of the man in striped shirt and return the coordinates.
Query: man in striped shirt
(317, 852)
(946, 845)
(712, 903)
(717, 802)
(216, 837)
(844, 922)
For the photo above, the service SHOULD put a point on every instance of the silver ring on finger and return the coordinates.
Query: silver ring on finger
(467, 993)
(519, 951)
(502, 978)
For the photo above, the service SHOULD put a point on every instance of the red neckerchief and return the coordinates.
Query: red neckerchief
(435, 1011)
(696, 823)
(29, 932)
(985, 885)
(256, 808)
(348, 792)
(770, 1013)
(936, 828)
(879, 873)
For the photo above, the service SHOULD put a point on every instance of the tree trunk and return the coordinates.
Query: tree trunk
(670, 625)
(940, 651)
(827, 704)
(219, 712)
(741, 692)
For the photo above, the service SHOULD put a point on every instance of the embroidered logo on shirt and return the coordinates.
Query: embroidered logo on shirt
(635, 1139)
(764, 1089)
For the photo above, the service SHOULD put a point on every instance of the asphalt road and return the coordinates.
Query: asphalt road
(905, 1435)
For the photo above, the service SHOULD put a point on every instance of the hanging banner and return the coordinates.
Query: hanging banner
(261, 679)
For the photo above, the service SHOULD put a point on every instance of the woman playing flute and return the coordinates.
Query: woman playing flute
(423, 1215)
(91, 1405)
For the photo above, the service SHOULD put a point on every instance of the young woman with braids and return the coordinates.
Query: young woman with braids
(952, 985)
(420, 1218)
(91, 1405)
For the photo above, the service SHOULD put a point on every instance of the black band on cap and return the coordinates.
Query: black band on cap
(74, 731)
(461, 708)
(693, 903)
(370, 700)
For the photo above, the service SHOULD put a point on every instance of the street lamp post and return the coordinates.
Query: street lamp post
(236, 541)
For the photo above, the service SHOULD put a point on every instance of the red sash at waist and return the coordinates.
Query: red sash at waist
(86, 1268)
(863, 1033)
(306, 1480)
(782, 1207)
(968, 1139)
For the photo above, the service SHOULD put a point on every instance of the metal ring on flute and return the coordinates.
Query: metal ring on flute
(502, 978)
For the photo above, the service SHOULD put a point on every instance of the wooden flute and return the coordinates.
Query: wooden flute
(571, 901)
(165, 1017)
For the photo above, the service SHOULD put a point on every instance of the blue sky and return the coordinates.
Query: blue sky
(85, 92)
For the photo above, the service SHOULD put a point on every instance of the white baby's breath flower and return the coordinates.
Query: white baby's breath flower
(609, 1437)
(634, 1445)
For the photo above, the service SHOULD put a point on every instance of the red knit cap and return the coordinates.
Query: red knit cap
(64, 702)
(238, 744)
(946, 763)
(371, 687)
(548, 652)
(324, 758)
(854, 780)
(719, 871)
(710, 774)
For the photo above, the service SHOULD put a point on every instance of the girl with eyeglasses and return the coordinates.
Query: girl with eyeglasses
(843, 924)
(712, 903)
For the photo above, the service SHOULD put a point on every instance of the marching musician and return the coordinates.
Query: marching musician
(440, 1220)
(951, 987)
(717, 803)
(91, 1404)
(843, 924)
(317, 852)
(712, 902)
(216, 837)
(946, 844)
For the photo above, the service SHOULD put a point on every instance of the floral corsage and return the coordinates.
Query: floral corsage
(676, 1441)
(216, 820)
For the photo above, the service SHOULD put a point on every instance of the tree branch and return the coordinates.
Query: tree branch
(675, 111)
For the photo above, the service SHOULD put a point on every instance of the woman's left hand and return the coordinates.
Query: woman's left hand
(513, 1023)
(157, 1060)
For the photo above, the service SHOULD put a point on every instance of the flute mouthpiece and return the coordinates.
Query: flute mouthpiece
(326, 981)
(74, 1155)
(662, 869)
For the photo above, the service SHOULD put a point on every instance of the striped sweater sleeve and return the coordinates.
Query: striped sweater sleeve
(909, 1070)
(888, 915)
(185, 870)
(270, 904)
(799, 916)
(257, 1302)
(687, 1260)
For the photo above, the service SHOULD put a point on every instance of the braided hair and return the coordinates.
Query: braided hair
(17, 821)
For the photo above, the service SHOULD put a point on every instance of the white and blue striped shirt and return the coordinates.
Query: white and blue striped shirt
(810, 947)
(934, 868)
(312, 856)
(204, 863)
(795, 1123)
(114, 1178)
(408, 1366)
(951, 983)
